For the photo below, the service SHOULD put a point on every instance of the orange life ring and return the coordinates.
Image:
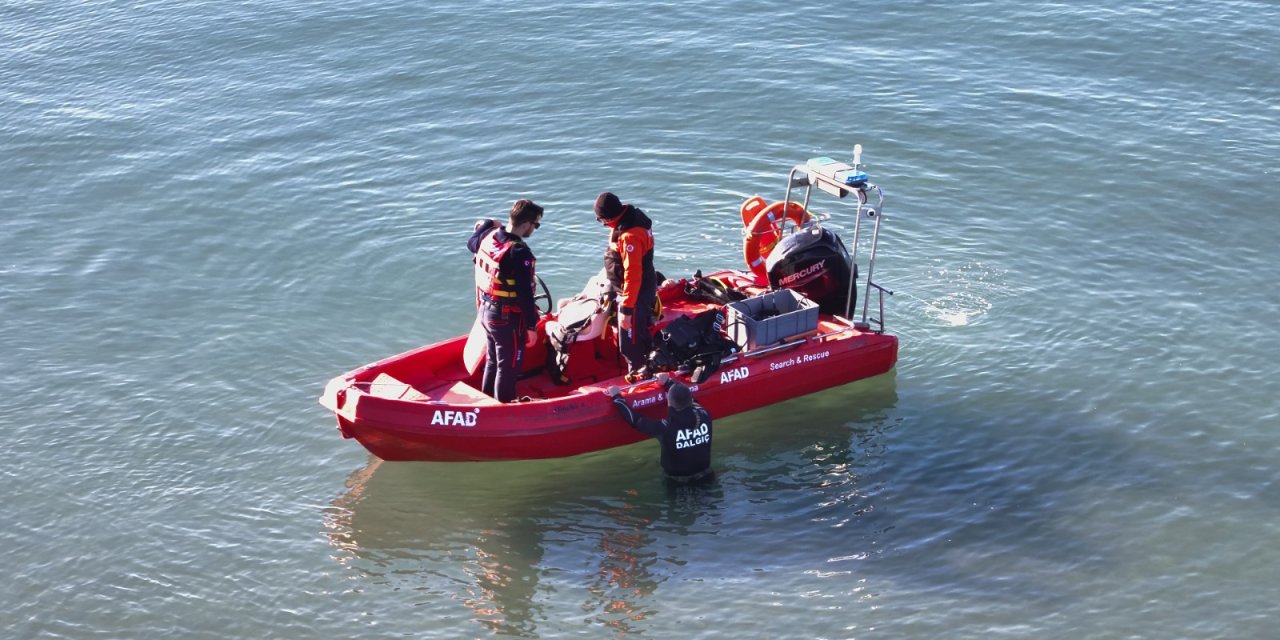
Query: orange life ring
(765, 231)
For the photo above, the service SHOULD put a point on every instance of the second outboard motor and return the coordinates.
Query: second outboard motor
(815, 263)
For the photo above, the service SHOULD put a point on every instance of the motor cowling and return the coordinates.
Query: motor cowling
(815, 263)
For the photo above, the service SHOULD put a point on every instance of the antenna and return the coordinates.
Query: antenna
(857, 155)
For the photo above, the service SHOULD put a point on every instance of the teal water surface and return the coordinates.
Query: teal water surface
(212, 208)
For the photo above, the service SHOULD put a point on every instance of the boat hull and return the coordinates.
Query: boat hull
(449, 421)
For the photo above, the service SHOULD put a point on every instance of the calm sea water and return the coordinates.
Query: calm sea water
(211, 208)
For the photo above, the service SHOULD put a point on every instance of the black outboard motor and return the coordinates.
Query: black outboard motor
(815, 263)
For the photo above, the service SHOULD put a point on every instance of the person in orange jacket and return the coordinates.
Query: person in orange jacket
(628, 261)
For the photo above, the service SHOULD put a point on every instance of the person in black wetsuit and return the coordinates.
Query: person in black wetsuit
(504, 270)
(684, 435)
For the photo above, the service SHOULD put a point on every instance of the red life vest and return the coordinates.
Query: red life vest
(490, 279)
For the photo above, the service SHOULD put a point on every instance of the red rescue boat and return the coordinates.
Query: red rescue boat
(769, 338)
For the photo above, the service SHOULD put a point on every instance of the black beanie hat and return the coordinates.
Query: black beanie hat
(608, 206)
(679, 397)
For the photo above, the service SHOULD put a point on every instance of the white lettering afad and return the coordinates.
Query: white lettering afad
(730, 375)
(699, 435)
(450, 418)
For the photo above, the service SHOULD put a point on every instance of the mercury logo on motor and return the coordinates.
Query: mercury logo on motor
(803, 273)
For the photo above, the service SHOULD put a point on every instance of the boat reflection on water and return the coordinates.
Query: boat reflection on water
(453, 535)
(601, 538)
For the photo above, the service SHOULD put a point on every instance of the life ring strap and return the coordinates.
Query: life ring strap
(750, 207)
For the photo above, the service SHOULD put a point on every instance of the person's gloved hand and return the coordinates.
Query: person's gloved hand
(663, 377)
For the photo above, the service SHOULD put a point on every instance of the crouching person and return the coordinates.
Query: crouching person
(684, 435)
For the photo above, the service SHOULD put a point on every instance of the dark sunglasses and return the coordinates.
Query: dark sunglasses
(537, 224)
